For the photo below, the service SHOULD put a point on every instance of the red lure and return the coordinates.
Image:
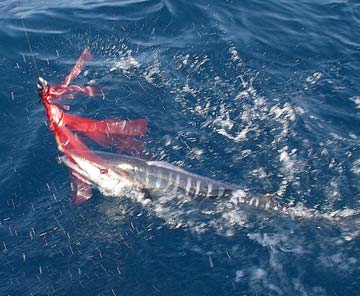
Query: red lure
(115, 132)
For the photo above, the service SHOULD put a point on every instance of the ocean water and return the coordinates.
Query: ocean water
(264, 94)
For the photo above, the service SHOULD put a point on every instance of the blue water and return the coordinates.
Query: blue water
(264, 94)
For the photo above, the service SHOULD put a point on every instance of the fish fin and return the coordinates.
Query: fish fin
(81, 190)
(166, 165)
(147, 194)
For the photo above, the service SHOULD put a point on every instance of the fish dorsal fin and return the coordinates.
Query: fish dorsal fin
(166, 165)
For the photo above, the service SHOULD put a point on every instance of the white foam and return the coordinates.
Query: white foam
(355, 168)
(125, 63)
(314, 78)
(239, 275)
(356, 100)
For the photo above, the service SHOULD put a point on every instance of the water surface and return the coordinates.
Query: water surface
(264, 94)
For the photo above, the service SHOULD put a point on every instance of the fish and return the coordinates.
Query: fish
(118, 174)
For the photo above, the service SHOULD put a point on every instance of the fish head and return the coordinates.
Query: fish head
(98, 172)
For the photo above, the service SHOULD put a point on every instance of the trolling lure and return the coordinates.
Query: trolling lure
(109, 132)
(49, 93)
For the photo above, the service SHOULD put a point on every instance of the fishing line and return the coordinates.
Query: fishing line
(30, 48)
(28, 42)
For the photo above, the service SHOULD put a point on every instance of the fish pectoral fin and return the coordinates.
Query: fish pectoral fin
(81, 191)
(146, 193)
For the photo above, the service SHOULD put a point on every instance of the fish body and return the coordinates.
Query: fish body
(116, 174)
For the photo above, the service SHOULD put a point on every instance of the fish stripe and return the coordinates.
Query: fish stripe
(188, 185)
(158, 179)
(177, 183)
(170, 180)
(267, 205)
(221, 191)
(198, 183)
(209, 191)
(147, 176)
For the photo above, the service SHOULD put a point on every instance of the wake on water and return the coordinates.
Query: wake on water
(228, 105)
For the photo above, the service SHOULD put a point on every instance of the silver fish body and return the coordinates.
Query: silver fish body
(113, 174)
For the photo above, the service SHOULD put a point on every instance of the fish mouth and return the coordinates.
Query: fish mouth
(75, 167)
(98, 174)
